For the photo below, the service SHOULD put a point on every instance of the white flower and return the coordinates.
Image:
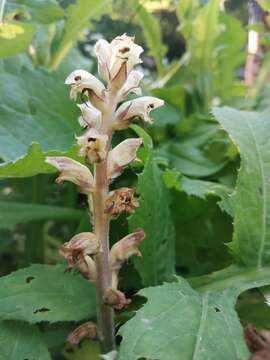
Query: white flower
(132, 83)
(93, 145)
(82, 81)
(117, 59)
(140, 108)
(91, 117)
(123, 154)
(73, 171)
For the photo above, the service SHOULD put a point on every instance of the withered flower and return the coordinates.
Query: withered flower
(116, 299)
(77, 252)
(87, 330)
(121, 200)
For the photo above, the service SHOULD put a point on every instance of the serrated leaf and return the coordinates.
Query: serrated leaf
(251, 239)
(177, 322)
(152, 34)
(33, 163)
(13, 213)
(46, 293)
(15, 37)
(35, 107)
(21, 341)
(154, 217)
(78, 17)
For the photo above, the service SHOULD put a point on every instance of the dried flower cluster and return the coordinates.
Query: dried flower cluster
(100, 116)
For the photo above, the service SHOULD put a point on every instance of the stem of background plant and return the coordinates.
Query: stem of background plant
(34, 243)
(2, 8)
(105, 313)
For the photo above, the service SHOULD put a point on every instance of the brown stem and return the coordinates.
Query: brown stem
(105, 313)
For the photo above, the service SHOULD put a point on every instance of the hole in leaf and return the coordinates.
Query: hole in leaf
(29, 279)
(217, 309)
(43, 309)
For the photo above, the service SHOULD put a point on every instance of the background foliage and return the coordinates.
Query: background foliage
(204, 185)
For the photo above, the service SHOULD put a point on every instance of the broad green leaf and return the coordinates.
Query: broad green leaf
(179, 323)
(189, 155)
(166, 115)
(152, 34)
(33, 163)
(21, 341)
(39, 11)
(13, 213)
(154, 217)
(35, 107)
(15, 37)
(251, 202)
(78, 17)
(46, 293)
(199, 188)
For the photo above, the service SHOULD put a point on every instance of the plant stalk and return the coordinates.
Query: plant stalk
(2, 8)
(105, 313)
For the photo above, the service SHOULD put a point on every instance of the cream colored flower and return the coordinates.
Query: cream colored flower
(71, 170)
(137, 108)
(82, 81)
(123, 154)
(132, 83)
(117, 59)
(93, 145)
(90, 117)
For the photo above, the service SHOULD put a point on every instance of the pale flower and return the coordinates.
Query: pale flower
(137, 108)
(93, 145)
(71, 170)
(123, 154)
(82, 81)
(132, 83)
(117, 59)
(90, 117)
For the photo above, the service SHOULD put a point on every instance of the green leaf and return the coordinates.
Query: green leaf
(14, 213)
(189, 155)
(35, 107)
(265, 4)
(152, 33)
(40, 11)
(21, 341)
(154, 217)
(78, 17)
(251, 239)
(46, 293)
(33, 163)
(199, 188)
(15, 38)
(177, 322)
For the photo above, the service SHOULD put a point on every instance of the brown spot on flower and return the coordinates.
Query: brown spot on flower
(116, 299)
(77, 78)
(124, 50)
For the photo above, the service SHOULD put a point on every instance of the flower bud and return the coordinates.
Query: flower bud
(82, 81)
(139, 108)
(91, 117)
(116, 299)
(121, 200)
(117, 59)
(123, 154)
(87, 330)
(93, 146)
(71, 170)
(124, 249)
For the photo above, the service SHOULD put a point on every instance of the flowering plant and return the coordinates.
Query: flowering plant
(90, 252)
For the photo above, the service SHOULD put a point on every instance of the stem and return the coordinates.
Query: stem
(105, 313)
(2, 8)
